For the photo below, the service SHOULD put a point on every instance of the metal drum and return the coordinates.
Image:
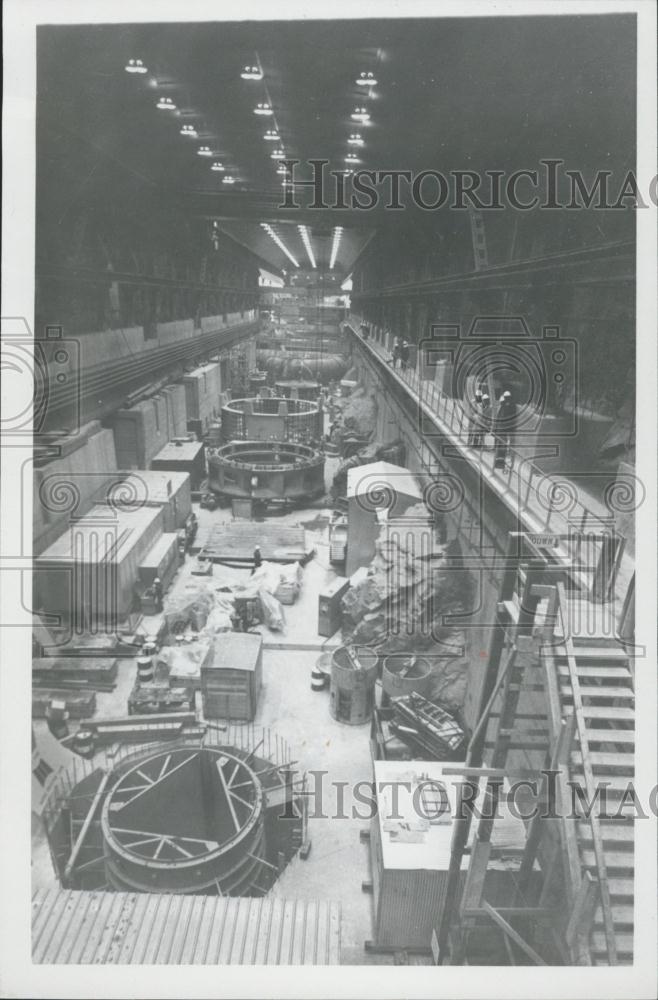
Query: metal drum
(145, 670)
(404, 673)
(352, 688)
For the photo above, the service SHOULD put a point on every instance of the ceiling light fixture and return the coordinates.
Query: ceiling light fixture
(360, 114)
(307, 244)
(204, 151)
(189, 131)
(278, 154)
(217, 166)
(271, 135)
(338, 232)
(355, 139)
(273, 236)
(228, 179)
(281, 169)
(252, 73)
(366, 80)
(166, 104)
(262, 108)
(135, 66)
(352, 158)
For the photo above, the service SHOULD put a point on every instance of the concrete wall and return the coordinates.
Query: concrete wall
(68, 486)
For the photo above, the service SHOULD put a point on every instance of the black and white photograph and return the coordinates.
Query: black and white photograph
(328, 501)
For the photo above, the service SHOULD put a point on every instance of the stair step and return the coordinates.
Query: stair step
(624, 943)
(599, 693)
(612, 833)
(615, 784)
(605, 761)
(621, 888)
(622, 916)
(585, 652)
(621, 861)
(623, 736)
(614, 713)
(602, 671)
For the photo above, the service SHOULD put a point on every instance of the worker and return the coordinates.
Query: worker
(480, 420)
(158, 592)
(404, 355)
(258, 559)
(395, 352)
(504, 425)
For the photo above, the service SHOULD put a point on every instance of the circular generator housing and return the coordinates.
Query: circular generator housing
(273, 419)
(172, 823)
(297, 389)
(266, 470)
(352, 686)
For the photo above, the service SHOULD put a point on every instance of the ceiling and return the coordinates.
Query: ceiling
(470, 93)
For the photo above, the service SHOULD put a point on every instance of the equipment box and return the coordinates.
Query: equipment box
(330, 613)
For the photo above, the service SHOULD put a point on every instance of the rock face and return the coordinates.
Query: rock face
(412, 584)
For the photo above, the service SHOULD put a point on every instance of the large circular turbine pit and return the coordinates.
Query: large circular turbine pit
(185, 820)
(273, 418)
(272, 470)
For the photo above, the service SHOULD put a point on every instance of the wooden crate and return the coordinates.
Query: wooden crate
(231, 683)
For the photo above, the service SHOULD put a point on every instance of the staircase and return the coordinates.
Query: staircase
(595, 682)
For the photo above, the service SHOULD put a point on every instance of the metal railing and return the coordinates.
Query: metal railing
(546, 501)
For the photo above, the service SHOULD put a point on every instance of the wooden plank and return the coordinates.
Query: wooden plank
(511, 933)
(602, 671)
(582, 913)
(608, 761)
(621, 736)
(599, 693)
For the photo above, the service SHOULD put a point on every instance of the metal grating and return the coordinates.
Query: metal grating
(122, 928)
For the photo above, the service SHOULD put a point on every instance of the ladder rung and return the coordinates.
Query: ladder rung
(613, 713)
(615, 784)
(617, 833)
(624, 943)
(602, 653)
(615, 761)
(602, 671)
(621, 888)
(600, 693)
(622, 861)
(625, 736)
(622, 915)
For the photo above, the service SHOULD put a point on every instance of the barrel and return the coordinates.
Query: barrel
(145, 670)
(149, 648)
(318, 679)
(57, 716)
(352, 687)
(404, 673)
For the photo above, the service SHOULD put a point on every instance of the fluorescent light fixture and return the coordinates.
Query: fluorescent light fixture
(278, 154)
(135, 66)
(273, 236)
(218, 167)
(366, 80)
(307, 244)
(204, 151)
(338, 232)
(228, 179)
(166, 104)
(252, 73)
(352, 158)
(189, 131)
(262, 108)
(360, 114)
(355, 139)
(281, 169)
(271, 135)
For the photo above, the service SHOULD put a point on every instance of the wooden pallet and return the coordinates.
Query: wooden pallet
(233, 544)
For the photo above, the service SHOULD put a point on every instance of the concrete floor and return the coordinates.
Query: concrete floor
(338, 861)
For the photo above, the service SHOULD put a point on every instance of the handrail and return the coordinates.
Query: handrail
(591, 817)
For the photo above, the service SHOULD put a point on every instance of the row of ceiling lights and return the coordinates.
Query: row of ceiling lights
(137, 66)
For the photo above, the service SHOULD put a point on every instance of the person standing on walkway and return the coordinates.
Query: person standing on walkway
(258, 560)
(477, 426)
(158, 592)
(395, 353)
(404, 355)
(504, 426)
